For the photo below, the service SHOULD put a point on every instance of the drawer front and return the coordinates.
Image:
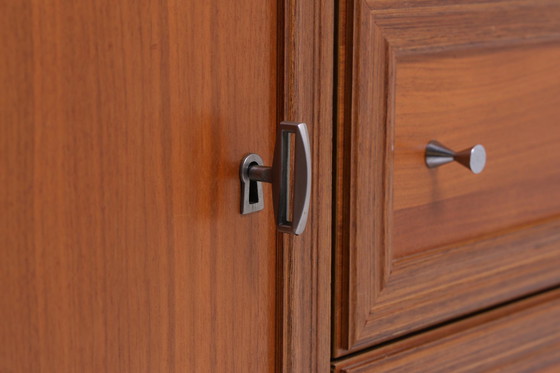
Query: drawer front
(521, 337)
(418, 246)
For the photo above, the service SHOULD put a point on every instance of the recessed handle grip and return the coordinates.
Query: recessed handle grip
(473, 158)
(301, 174)
(290, 209)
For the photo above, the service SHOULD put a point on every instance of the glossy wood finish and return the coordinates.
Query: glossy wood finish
(521, 337)
(461, 73)
(122, 127)
(305, 262)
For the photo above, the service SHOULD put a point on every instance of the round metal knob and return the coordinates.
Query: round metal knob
(473, 158)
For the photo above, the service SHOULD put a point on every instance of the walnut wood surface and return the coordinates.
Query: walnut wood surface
(122, 127)
(461, 73)
(521, 337)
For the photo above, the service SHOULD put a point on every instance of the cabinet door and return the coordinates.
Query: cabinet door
(122, 127)
(418, 246)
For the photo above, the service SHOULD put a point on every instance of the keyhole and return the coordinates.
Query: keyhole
(253, 189)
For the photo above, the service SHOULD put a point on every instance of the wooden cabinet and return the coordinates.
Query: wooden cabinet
(123, 125)
(416, 246)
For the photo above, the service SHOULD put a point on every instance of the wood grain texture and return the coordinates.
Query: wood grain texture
(388, 281)
(122, 127)
(505, 98)
(305, 261)
(520, 337)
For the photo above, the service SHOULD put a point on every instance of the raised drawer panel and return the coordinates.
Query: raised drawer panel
(506, 98)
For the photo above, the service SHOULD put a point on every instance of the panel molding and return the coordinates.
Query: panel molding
(519, 336)
(372, 36)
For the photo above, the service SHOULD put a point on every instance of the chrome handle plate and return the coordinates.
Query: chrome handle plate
(473, 158)
(252, 173)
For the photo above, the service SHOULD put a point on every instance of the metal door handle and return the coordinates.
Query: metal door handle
(290, 217)
(473, 158)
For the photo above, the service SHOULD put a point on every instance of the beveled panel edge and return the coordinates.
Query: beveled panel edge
(349, 153)
(523, 308)
(456, 281)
